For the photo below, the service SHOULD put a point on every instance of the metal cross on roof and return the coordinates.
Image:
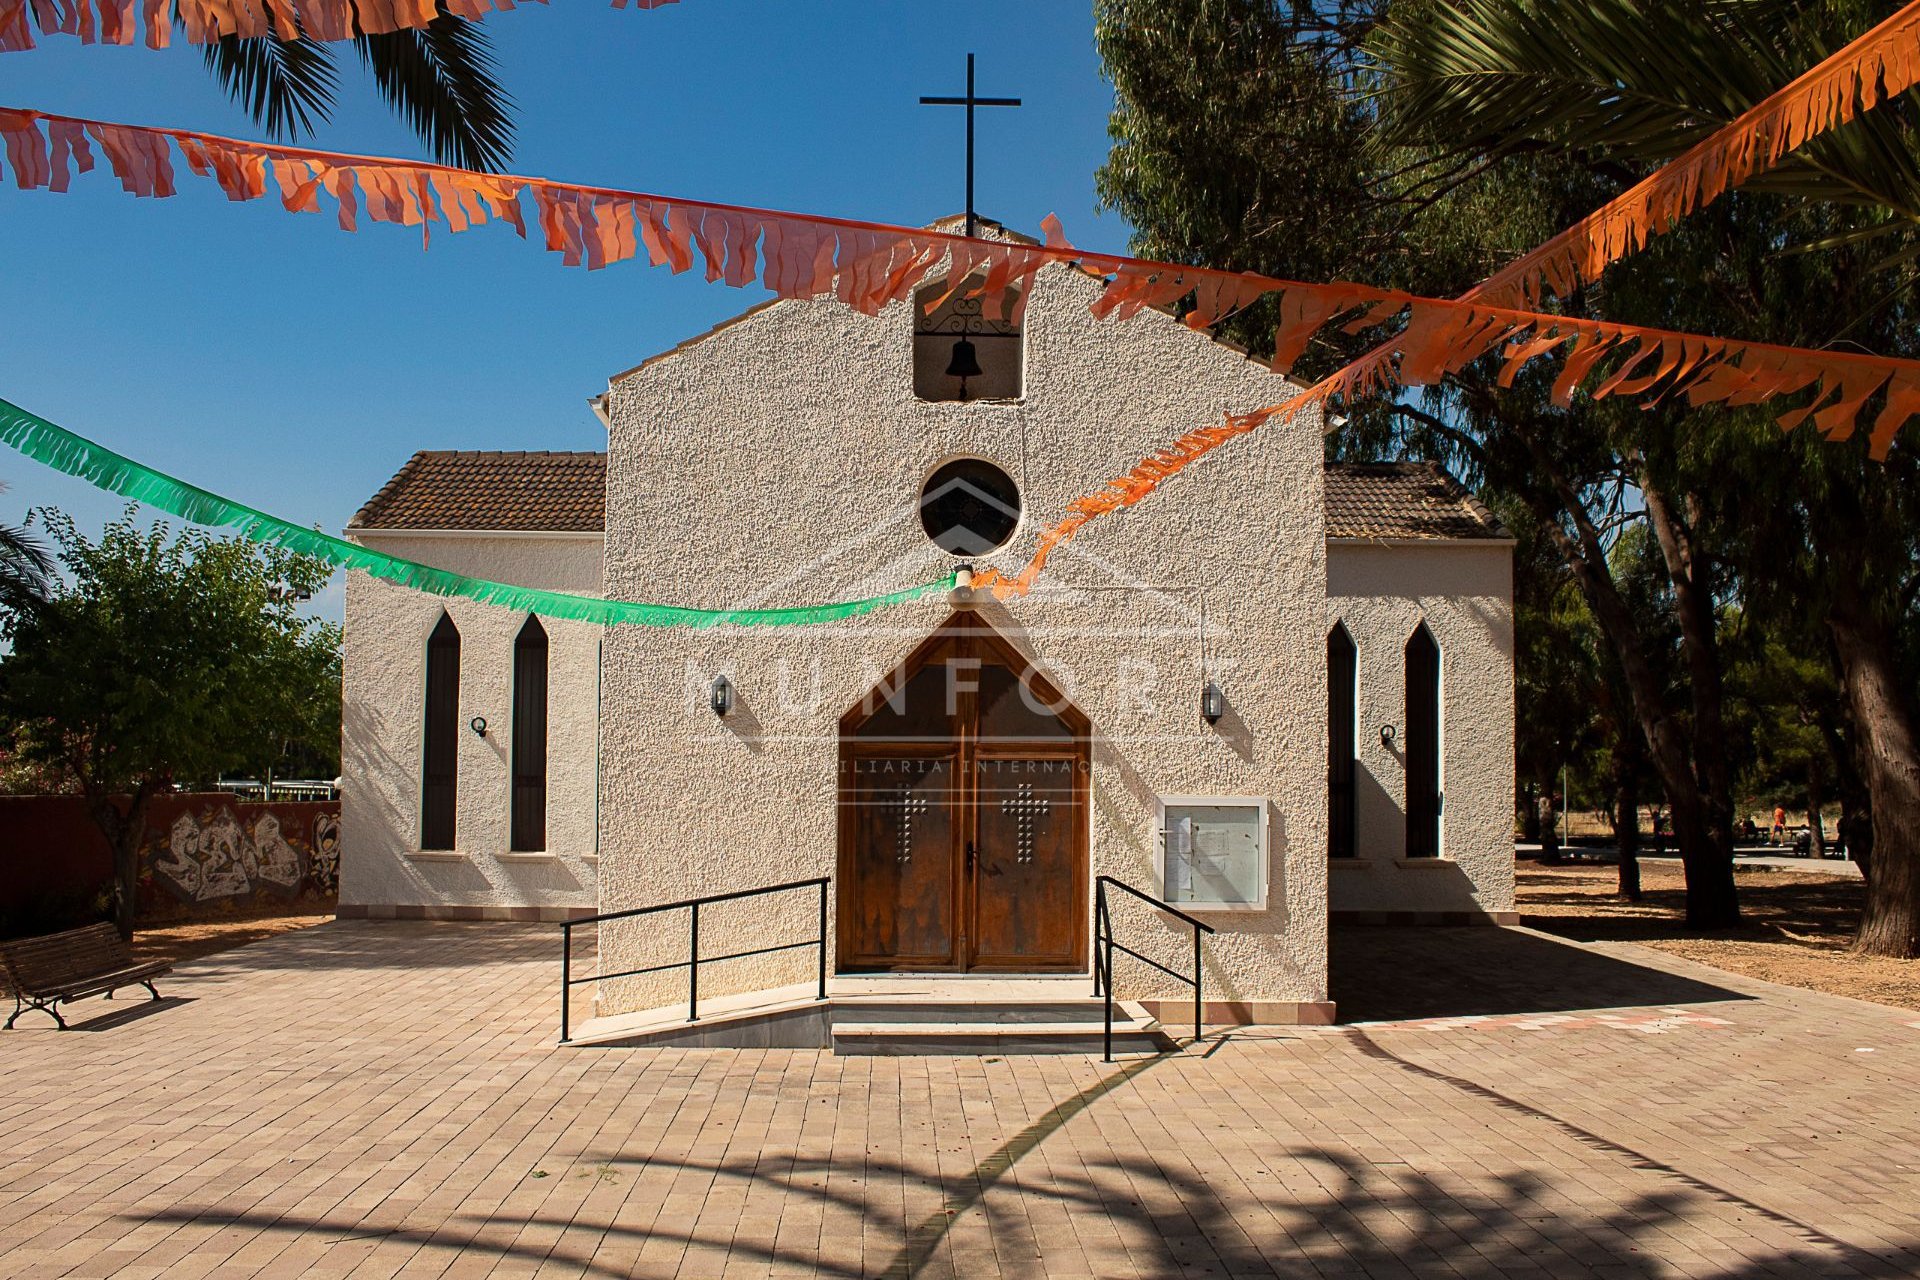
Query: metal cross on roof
(970, 102)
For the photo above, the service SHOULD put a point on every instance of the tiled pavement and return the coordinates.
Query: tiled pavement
(384, 1099)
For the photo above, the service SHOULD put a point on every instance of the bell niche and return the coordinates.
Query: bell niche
(963, 349)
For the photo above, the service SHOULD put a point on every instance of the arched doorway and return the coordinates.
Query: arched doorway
(963, 814)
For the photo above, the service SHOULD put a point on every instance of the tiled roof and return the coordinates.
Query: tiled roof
(566, 492)
(1403, 500)
(549, 492)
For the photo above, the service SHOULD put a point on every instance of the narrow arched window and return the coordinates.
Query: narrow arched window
(1342, 670)
(441, 745)
(1423, 745)
(529, 826)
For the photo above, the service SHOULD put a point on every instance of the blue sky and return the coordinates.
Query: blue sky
(282, 362)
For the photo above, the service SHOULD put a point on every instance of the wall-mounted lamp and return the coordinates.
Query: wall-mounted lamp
(479, 725)
(1387, 733)
(963, 576)
(720, 696)
(1213, 703)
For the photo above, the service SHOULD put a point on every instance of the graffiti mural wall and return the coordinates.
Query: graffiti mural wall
(203, 854)
(226, 852)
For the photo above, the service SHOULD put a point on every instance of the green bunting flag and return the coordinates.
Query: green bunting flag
(62, 450)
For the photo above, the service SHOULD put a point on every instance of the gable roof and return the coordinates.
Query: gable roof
(566, 493)
(449, 489)
(1404, 501)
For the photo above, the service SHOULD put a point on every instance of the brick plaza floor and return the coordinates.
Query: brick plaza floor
(385, 1099)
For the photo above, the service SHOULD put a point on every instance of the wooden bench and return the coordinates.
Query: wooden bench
(71, 966)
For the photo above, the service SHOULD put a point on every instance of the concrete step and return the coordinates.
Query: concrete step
(894, 1016)
(1025, 1027)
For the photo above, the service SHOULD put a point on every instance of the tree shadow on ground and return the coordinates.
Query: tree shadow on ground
(1153, 1217)
(1774, 906)
(1386, 973)
(397, 944)
(1284, 1211)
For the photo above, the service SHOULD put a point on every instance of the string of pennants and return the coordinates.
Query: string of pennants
(869, 265)
(204, 21)
(65, 451)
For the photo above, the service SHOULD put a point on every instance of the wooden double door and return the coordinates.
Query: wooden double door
(963, 815)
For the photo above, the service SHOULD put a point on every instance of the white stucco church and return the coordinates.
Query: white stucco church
(1277, 694)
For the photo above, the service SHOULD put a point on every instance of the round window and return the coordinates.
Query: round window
(969, 507)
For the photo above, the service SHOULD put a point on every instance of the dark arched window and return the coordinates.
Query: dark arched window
(529, 832)
(441, 747)
(1342, 669)
(1423, 745)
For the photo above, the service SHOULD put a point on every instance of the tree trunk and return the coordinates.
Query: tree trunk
(123, 832)
(1708, 864)
(1693, 610)
(1816, 830)
(1884, 715)
(1626, 821)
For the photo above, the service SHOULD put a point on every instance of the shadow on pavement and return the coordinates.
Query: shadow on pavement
(1386, 973)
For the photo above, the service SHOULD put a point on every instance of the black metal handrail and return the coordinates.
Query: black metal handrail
(694, 959)
(1103, 937)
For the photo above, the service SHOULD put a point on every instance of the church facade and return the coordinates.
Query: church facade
(1277, 694)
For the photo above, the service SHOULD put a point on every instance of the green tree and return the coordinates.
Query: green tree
(438, 78)
(1808, 524)
(1223, 108)
(165, 662)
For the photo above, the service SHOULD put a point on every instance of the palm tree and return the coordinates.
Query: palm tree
(438, 78)
(26, 569)
(1616, 87)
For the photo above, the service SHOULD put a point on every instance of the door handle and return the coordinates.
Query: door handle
(969, 857)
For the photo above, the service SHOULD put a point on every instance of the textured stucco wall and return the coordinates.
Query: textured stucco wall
(1464, 593)
(384, 688)
(779, 461)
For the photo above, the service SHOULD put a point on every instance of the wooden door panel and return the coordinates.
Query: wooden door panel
(900, 822)
(1029, 879)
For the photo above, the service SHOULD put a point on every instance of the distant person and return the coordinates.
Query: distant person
(1549, 806)
(1749, 830)
(1660, 830)
(1779, 824)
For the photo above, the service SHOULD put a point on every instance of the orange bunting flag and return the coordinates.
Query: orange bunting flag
(150, 22)
(868, 265)
(1880, 65)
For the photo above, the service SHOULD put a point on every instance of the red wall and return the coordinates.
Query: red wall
(223, 857)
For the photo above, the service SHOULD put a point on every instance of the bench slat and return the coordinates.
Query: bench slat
(68, 962)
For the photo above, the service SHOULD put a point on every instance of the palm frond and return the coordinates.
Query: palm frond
(26, 569)
(440, 79)
(285, 85)
(1635, 80)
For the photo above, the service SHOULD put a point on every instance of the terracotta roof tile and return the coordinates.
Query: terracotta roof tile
(566, 492)
(549, 492)
(1403, 500)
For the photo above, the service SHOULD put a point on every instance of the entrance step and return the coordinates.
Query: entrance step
(1008, 1029)
(897, 1015)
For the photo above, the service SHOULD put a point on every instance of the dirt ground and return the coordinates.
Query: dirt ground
(1797, 927)
(180, 941)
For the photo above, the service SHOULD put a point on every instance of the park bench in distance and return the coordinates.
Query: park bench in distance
(71, 966)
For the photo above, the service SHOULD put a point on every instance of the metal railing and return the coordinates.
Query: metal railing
(1104, 946)
(694, 959)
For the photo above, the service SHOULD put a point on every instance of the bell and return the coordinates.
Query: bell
(965, 364)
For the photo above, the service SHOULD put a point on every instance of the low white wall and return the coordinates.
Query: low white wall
(383, 694)
(1463, 591)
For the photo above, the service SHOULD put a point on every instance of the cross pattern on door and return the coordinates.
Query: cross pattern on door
(905, 805)
(1026, 809)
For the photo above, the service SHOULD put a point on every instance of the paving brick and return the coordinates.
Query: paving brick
(384, 1098)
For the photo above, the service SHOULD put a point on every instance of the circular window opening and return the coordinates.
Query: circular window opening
(969, 507)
